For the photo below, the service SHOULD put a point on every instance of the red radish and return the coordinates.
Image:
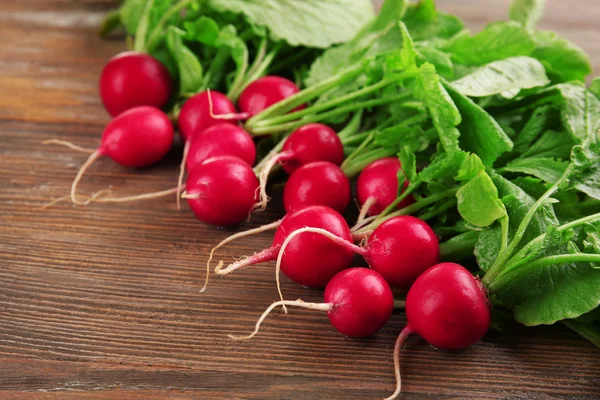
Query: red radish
(307, 144)
(222, 191)
(221, 140)
(264, 92)
(139, 137)
(400, 249)
(310, 259)
(447, 307)
(377, 186)
(358, 303)
(132, 79)
(202, 111)
(318, 183)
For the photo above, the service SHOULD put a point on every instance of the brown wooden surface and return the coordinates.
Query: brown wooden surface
(102, 302)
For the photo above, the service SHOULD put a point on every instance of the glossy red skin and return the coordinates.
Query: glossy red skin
(221, 140)
(132, 79)
(195, 116)
(401, 249)
(311, 259)
(310, 143)
(448, 307)
(318, 183)
(380, 181)
(363, 302)
(264, 92)
(228, 190)
(138, 137)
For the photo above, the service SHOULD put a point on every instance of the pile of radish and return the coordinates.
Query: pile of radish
(439, 161)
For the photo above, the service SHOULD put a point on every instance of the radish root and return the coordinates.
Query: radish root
(86, 202)
(226, 117)
(263, 177)
(186, 150)
(397, 350)
(144, 196)
(70, 145)
(186, 195)
(268, 254)
(336, 239)
(297, 303)
(365, 209)
(264, 228)
(93, 157)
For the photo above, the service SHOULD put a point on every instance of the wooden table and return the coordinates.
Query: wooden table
(103, 302)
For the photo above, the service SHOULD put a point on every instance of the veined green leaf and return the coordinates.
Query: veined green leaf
(478, 201)
(311, 23)
(527, 12)
(425, 23)
(514, 73)
(188, 65)
(547, 169)
(564, 61)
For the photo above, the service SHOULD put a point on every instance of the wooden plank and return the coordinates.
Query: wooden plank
(102, 301)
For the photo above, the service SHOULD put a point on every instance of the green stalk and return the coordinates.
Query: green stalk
(408, 191)
(504, 226)
(155, 34)
(352, 126)
(139, 43)
(538, 240)
(362, 162)
(438, 210)
(459, 247)
(325, 105)
(275, 150)
(290, 126)
(408, 209)
(503, 257)
(305, 95)
(504, 278)
(366, 142)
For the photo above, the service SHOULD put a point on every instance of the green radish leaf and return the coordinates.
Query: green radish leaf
(228, 38)
(383, 28)
(564, 61)
(402, 136)
(189, 67)
(595, 87)
(131, 12)
(513, 73)
(441, 60)
(586, 173)
(470, 168)
(590, 317)
(204, 30)
(589, 332)
(408, 162)
(444, 165)
(550, 144)
(424, 22)
(547, 169)
(478, 201)
(496, 42)
(541, 119)
(479, 131)
(517, 203)
(527, 12)
(443, 111)
(310, 23)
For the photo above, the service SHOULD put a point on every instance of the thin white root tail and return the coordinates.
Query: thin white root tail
(364, 210)
(145, 196)
(186, 150)
(297, 303)
(70, 145)
(336, 239)
(226, 117)
(186, 195)
(264, 228)
(397, 350)
(86, 202)
(93, 157)
(263, 177)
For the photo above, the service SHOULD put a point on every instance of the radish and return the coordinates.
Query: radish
(317, 183)
(377, 186)
(400, 249)
(264, 92)
(310, 260)
(447, 307)
(132, 79)
(358, 302)
(138, 137)
(222, 191)
(309, 143)
(222, 139)
(202, 111)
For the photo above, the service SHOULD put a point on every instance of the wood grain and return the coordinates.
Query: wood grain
(102, 302)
